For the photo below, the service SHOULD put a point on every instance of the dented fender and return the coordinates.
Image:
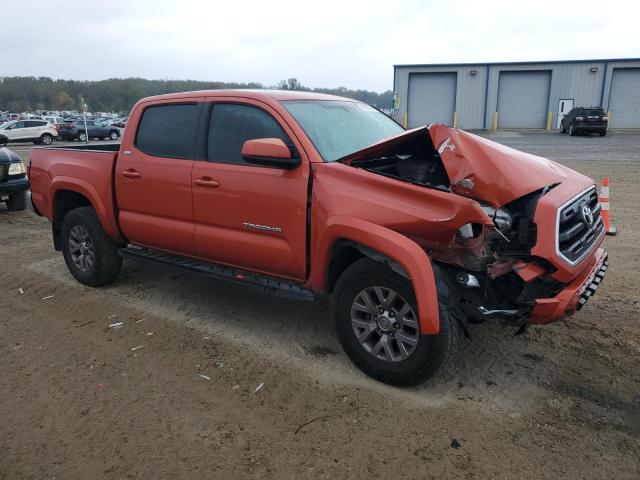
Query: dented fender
(407, 253)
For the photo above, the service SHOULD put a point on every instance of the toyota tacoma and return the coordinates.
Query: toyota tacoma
(416, 234)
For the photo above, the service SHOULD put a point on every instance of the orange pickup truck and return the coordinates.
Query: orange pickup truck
(416, 234)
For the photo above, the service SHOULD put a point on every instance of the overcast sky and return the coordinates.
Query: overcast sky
(324, 44)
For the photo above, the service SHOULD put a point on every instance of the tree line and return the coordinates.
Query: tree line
(24, 94)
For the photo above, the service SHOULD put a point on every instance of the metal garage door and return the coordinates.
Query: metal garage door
(624, 102)
(432, 98)
(523, 99)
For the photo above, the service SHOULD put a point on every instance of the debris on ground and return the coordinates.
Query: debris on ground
(258, 388)
(21, 290)
(137, 348)
(115, 325)
(455, 444)
(47, 297)
(206, 377)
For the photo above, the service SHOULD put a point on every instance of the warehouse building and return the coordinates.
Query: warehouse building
(516, 95)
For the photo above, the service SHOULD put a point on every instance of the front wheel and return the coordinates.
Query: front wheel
(113, 135)
(572, 132)
(90, 254)
(82, 137)
(17, 202)
(377, 324)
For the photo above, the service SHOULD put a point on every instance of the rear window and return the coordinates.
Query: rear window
(593, 111)
(168, 131)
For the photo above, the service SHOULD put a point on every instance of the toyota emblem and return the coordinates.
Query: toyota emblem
(587, 215)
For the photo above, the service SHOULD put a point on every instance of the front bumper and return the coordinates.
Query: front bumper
(14, 185)
(575, 294)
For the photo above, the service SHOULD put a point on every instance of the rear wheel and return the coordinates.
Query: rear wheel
(571, 130)
(377, 324)
(17, 202)
(113, 135)
(603, 133)
(90, 254)
(82, 137)
(46, 139)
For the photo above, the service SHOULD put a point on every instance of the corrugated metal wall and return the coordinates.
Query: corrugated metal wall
(588, 83)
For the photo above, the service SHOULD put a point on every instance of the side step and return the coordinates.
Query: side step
(262, 283)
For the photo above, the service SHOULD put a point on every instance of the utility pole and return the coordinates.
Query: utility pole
(84, 117)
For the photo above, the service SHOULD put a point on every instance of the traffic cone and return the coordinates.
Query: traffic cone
(604, 204)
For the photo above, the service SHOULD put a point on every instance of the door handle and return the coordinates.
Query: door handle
(131, 173)
(206, 182)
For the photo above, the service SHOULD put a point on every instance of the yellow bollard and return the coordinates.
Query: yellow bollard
(495, 120)
(455, 119)
(549, 120)
(404, 120)
(609, 119)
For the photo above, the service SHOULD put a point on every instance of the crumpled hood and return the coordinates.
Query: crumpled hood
(498, 174)
(479, 168)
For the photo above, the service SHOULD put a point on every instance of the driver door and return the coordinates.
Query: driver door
(249, 216)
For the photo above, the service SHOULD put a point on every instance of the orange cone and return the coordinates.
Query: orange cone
(604, 204)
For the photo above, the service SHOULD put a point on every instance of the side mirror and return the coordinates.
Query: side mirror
(269, 152)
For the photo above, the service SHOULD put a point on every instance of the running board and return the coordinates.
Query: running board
(262, 283)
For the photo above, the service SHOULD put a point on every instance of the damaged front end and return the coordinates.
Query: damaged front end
(487, 264)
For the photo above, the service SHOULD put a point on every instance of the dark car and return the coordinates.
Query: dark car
(14, 183)
(585, 120)
(72, 129)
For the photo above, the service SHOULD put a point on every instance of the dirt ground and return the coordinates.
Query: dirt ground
(173, 393)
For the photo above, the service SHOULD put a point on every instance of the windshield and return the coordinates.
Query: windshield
(338, 128)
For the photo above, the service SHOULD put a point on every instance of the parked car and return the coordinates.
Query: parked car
(75, 129)
(36, 131)
(120, 122)
(415, 234)
(14, 184)
(585, 120)
(56, 122)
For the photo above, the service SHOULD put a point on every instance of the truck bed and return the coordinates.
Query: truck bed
(86, 169)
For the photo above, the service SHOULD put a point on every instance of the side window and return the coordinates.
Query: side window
(232, 124)
(168, 131)
(42, 124)
(19, 125)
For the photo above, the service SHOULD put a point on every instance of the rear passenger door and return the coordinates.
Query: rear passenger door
(153, 178)
(249, 216)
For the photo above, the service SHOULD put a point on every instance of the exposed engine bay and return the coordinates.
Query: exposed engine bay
(414, 160)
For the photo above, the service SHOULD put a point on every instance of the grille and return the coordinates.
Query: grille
(3, 171)
(576, 235)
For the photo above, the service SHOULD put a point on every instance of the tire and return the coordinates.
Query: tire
(114, 135)
(82, 137)
(101, 263)
(571, 130)
(17, 202)
(603, 133)
(431, 353)
(46, 139)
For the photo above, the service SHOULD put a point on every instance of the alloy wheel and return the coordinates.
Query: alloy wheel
(81, 248)
(385, 324)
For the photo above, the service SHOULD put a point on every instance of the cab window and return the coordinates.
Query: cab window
(232, 124)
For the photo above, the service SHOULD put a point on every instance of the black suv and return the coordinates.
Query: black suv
(13, 180)
(585, 120)
(72, 129)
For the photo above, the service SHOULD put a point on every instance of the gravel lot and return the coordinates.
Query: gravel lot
(173, 393)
